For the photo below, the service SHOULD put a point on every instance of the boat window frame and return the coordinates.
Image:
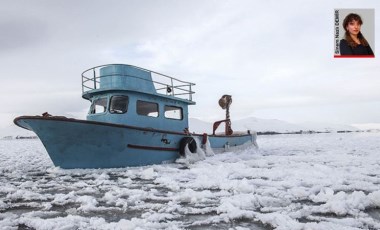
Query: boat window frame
(93, 108)
(110, 104)
(138, 112)
(180, 109)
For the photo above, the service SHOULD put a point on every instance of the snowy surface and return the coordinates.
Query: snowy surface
(274, 125)
(318, 181)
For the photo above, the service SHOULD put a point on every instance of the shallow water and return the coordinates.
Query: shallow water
(314, 181)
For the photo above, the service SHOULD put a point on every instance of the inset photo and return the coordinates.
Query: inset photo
(354, 33)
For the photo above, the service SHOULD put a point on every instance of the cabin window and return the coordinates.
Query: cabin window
(119, 104)
(147, 108)
(99, 105)
(173, 112)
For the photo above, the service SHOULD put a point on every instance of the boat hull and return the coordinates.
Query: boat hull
(73, 143)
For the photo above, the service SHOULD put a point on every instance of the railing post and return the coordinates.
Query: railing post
(171, 79)
(94, 78)
(190, 93)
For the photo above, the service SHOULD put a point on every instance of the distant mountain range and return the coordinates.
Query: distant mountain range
(251, 123)
(269, 125)
(14, 131)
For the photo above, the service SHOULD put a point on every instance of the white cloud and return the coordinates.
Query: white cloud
(275, 58)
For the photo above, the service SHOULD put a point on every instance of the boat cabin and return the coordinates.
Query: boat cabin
(133, 96)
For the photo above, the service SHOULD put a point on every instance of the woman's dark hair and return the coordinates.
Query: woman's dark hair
(349, 18)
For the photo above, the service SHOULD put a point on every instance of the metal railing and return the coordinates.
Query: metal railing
(162, 83)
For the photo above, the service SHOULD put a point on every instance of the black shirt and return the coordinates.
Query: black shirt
(345, 49)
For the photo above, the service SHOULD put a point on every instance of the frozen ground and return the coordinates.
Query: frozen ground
(319, 181)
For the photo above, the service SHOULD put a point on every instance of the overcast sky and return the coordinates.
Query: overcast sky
(274, 57)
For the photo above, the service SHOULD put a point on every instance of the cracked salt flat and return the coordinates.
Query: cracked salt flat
(318, 181)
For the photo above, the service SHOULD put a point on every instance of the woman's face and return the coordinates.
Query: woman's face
(353, 27)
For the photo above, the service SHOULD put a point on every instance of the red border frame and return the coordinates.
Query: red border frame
(354, 56)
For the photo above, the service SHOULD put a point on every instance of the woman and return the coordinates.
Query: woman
(354, 42)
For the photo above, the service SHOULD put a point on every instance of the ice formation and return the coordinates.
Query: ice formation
(311, 181)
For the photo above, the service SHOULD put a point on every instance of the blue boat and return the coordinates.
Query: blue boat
(137, 117)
